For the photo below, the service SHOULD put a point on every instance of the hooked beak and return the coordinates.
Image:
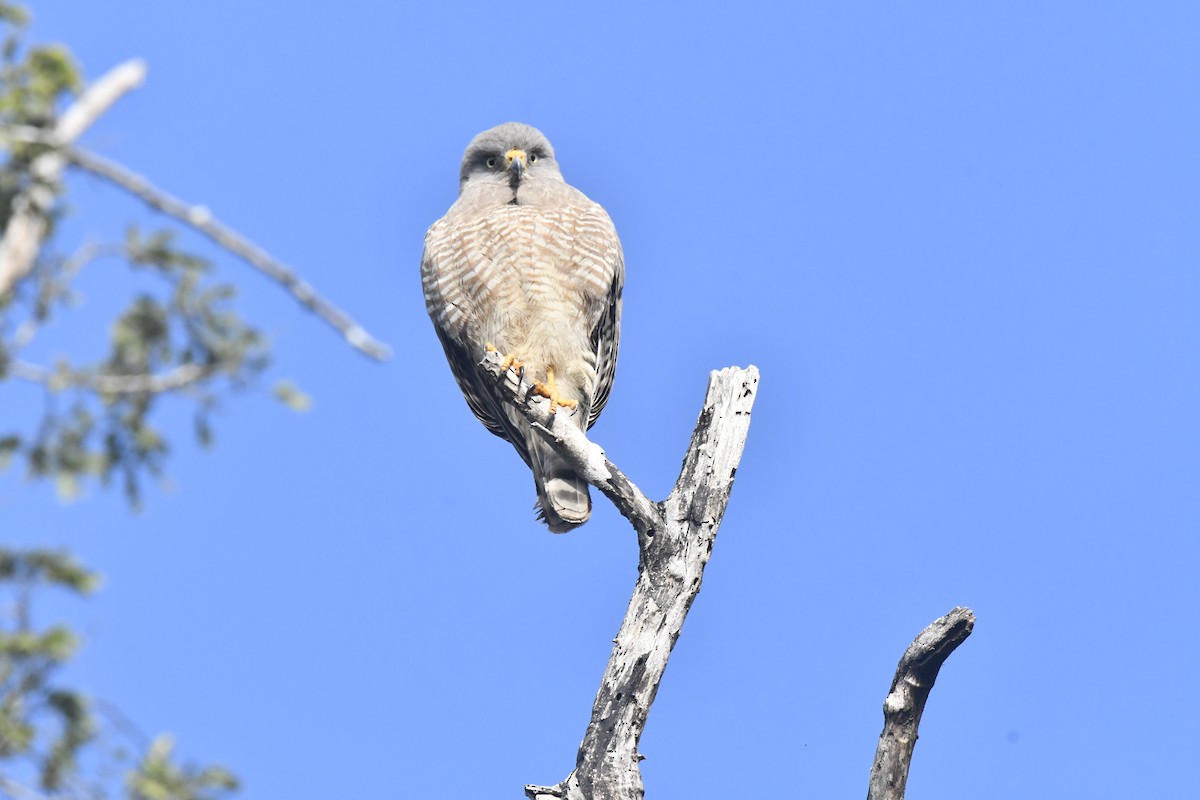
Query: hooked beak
(516, 165)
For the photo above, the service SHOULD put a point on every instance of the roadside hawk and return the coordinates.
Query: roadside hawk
(526, 264)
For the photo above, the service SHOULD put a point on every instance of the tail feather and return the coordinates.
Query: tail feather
(563, 499)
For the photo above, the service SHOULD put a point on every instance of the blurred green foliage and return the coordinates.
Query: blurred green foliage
(47, 732)
(179, 336)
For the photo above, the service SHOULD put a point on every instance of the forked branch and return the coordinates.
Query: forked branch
(29, 220)
(675, 540)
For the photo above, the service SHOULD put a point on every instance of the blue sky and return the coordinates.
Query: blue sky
(959, 241)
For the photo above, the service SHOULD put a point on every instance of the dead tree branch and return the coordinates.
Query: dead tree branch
(905, 702)
(587, 458)
(675, 540)
(201, 219)
(27, 225)
(170, 381)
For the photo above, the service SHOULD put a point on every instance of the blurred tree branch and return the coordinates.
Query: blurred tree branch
(180, 337)
(28, 222)
(201, 219)
(175, 379)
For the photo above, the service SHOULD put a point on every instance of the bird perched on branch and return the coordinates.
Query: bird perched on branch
(525, 264)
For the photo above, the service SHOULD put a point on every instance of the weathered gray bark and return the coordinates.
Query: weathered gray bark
(905, 702)
(675, 540)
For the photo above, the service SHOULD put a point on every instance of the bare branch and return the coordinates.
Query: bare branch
(57, 286)
(675, 540)
(201, 219)
(27, 224)
(905, 703)
(173, 380)
(587, 458)
(85, 255)
(11, 788)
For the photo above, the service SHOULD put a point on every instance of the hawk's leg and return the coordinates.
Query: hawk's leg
(549, 390)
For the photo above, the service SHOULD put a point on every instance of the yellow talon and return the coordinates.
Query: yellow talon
(549, 390)
(508, 362)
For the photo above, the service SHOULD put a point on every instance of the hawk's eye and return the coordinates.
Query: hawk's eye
(491, 163)
(533, 157)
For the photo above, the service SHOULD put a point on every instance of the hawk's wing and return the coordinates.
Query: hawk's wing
(450, 325)
(606, 337)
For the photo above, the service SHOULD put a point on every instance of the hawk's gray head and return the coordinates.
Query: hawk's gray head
(508, 154)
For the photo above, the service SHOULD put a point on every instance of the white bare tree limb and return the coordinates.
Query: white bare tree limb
(56, 380)
(675, 540)
(201, 219)
(915, 674)
(17, 791)
(27, 224)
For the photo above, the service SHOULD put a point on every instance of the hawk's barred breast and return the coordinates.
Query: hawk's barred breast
(519, 255)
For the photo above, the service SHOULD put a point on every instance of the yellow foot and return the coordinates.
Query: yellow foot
(509, 362)
(550, 391)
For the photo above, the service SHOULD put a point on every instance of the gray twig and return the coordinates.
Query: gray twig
(201, 219)
(905, 702)
(178, 378)
(71, 267)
